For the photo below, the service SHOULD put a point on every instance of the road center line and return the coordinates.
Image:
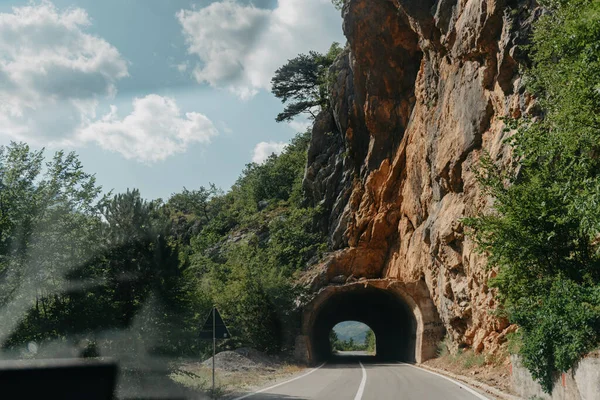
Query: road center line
(363, 382)
(462, 385)
(279, 384)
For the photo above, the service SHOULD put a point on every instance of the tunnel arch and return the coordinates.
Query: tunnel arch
(393, 323)
(402, 316)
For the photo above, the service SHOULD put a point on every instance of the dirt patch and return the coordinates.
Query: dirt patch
(238, 371)
(495, 373)
(243, 359)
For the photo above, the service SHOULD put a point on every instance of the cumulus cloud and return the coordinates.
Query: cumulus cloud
(222, 36)
(155, 130)
(239, 47)
(52, 72)
(300, 124)
(53, 75)
(263, 150)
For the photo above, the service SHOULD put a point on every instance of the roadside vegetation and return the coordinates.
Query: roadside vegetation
(350, 345)
(239, 371)
(463, 358)
(491, 368)
(75, 264)
(544, 234)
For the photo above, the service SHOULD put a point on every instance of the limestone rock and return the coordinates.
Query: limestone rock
(417, 96)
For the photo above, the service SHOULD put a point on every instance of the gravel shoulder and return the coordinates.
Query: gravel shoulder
(237, 371)
(495, 375)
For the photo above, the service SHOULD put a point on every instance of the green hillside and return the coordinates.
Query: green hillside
(352, 330)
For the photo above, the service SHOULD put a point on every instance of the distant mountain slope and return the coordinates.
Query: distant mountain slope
(351, 329)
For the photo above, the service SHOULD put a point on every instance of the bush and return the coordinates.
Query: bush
(247, 257)
(470, 359)
(543, 235)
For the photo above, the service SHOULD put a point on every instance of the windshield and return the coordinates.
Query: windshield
(140, 155)
(299, 199)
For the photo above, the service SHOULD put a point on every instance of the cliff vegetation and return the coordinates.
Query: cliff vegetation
(543, 233)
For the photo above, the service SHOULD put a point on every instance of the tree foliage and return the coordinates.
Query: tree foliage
(543, 235)
(350, 345)
(302, 83)
(252, 249)
(338, 4)
(370, 342)
(77, 264)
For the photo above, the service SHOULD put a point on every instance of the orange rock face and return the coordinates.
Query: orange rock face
(419, 95)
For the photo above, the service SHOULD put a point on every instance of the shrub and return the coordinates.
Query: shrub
(543, 234)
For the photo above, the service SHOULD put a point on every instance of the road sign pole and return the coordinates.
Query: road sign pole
(217, 324)
(214, 349)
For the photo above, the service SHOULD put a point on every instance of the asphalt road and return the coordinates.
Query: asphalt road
(361, 378)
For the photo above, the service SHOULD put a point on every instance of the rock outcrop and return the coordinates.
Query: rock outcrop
(418, 95)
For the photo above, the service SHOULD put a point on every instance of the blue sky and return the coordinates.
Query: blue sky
(154, 94)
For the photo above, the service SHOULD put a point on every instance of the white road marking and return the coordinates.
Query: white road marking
(460, 384)
(279, 384)
(363, 382)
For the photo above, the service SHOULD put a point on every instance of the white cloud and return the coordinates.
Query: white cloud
(240, 46)
(222, 35)
(300, 124)
(263, 150)
(52, 72)
(182, 67)
(53, 75)
(155, 130)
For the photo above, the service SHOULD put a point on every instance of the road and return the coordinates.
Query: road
(362, 378)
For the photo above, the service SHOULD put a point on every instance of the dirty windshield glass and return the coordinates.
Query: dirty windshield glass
(299, 199)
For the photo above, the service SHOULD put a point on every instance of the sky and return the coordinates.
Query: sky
(154, 94)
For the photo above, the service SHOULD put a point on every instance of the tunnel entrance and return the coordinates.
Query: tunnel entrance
(352, 338)
(402, 316)
(384, 312)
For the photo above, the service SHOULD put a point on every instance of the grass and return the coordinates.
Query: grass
(470, 359)
(514, 342)
(443, 348)
(490, 368)
(497, 359)
(462, 358)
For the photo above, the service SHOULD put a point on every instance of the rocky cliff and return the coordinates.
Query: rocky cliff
(418, 95)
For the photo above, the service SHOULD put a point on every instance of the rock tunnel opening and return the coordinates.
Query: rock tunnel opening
(385, 312)
(352, 337)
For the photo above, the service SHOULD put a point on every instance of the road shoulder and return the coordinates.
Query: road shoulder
(487, 389)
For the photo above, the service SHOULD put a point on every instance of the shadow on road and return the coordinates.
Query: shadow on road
(350, 359)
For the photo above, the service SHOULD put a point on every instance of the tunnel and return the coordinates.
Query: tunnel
(384, 311)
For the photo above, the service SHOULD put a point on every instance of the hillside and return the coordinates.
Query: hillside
(357, 331)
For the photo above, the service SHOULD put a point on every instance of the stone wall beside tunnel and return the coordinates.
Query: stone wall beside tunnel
(402, 316)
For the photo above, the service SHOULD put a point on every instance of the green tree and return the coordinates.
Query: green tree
(351, 345)
(50, 222)
(338, 4)
(333, 338)
(302, 83)
(73, 263)
(249, 254)
(19, 170)
(543, 235)
(255, 297)
(370, 342)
